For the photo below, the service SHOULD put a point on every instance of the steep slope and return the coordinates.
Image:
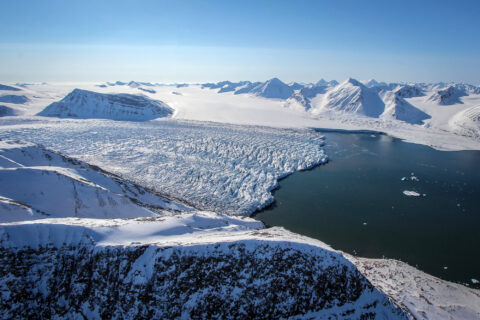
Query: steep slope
(36, 183)
(398, 108)
(191, 266)
(352, 97)
(89, 104)
(467, 122)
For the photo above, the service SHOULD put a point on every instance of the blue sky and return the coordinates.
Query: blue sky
(198, 41)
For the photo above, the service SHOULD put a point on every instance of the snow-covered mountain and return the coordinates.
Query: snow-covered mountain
(449, 95)
(273, 88)
(352, 97)
(413, 103)
(408, 91)
(88, 104)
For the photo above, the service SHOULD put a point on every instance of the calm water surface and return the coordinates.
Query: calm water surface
(355, 203)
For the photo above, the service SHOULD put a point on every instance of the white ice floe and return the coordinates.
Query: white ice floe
(410, 193)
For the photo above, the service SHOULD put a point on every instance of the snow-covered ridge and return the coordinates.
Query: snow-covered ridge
(88, 104)
(223, 168)
(200, 265)
(36, 183)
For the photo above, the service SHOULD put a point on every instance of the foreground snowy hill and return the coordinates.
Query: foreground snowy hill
(201, 265)
(89, 104)
(36, 183)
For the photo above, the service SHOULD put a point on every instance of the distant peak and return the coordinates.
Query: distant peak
(275, 81)
(353, 82)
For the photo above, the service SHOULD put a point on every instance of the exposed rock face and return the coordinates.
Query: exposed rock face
(449, 95)
(215, 281)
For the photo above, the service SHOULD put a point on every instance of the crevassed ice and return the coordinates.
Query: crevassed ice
(225, 168)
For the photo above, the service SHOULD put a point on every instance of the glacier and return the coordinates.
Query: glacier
(223, 168)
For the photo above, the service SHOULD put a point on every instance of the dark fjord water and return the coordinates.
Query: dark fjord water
(356, 204)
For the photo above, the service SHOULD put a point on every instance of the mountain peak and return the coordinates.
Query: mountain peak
(353, 82)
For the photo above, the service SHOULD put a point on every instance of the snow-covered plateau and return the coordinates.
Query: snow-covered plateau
(101, 217)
